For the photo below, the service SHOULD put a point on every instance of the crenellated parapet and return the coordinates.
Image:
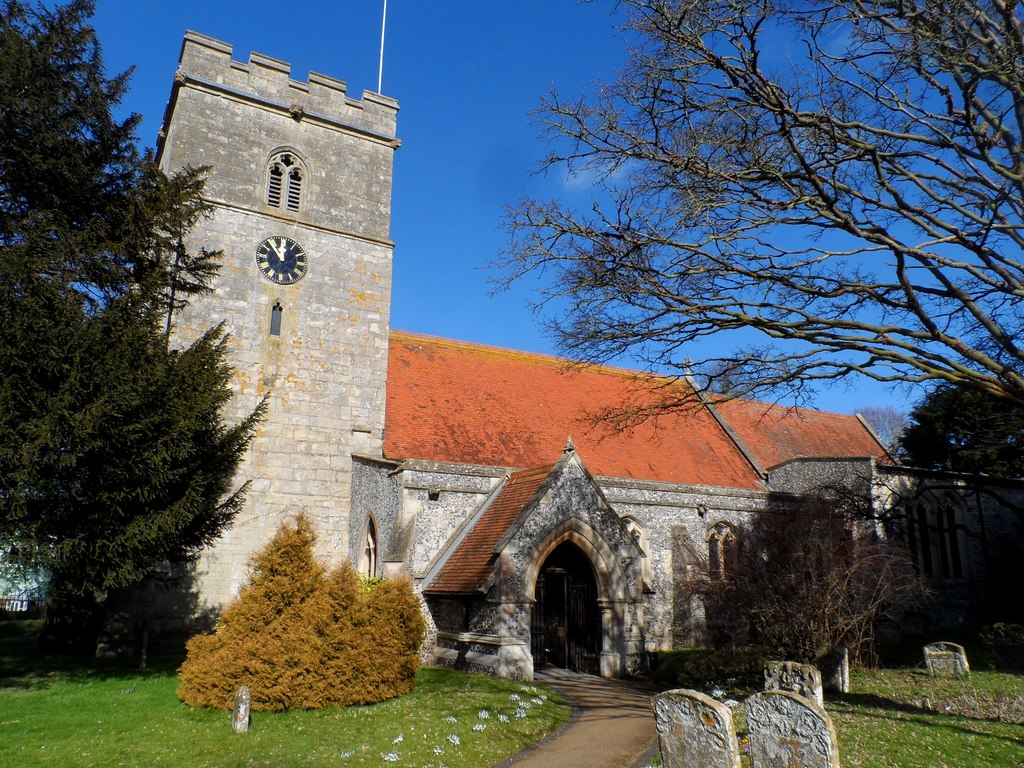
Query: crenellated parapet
(206, 61)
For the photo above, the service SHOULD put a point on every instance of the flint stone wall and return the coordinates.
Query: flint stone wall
(376, 491)
(437, 499)
(676, 521)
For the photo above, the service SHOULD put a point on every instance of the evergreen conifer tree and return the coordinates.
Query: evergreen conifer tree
(113, 453)
(303, 638)
(959, 430)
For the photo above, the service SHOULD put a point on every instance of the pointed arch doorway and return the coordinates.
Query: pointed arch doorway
(566, 618)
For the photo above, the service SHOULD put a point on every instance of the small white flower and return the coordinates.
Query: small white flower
(515, 697)
(731, 703)
(479, 727)
(389, 757)
(717, 692)
(520, 713)
(502, 718)
(346, 754)
(398, 739)
(438, 751)
(454, 739)
(451, 719)
(536, 700)
(483, 714)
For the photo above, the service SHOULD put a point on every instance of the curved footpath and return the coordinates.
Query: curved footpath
(613, 726)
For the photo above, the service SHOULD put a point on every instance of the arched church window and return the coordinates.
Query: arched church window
(368, 557)
(723, 551)
(285, 176)
(275, 319)
(935, 536)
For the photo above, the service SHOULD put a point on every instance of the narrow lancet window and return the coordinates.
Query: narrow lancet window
(294, 189)
(274, 186)
(369, 554)
(275, 319)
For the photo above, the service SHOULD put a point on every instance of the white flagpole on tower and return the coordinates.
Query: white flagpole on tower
(380, 68)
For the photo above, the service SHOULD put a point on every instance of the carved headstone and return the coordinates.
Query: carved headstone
(695, 731)
(803, 679)
(241, 711)
(835, 670)
(786, 730)
(946, 660)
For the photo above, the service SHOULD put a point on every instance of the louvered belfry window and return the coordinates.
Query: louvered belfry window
(284, 182)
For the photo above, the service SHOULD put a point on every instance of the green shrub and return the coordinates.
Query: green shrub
(703, 668)
(303, 638)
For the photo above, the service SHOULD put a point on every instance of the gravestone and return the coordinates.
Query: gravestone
(946, 660)
(804, 679)
(834, 667)
(785, 730)
(695, 731)
(240, 712)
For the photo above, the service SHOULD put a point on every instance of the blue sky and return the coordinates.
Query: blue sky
(467, 76)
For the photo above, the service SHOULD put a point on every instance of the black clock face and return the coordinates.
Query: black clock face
(281, 260)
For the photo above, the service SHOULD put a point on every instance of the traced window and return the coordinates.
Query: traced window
(285, 175)
(723, 551)
(369, 554)
(935, 537)
(275, 319)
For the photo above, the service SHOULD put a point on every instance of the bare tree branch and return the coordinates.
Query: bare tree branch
(823, 188)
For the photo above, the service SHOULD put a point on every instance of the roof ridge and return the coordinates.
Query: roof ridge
(771, 406)
(511, 353)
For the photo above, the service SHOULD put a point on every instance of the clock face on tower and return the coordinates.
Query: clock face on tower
(281, 260)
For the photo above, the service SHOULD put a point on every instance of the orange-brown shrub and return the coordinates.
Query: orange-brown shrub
(303, 638)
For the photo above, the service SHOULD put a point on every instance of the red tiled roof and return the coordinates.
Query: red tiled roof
(469, 567)
(465, 403)
(775, 434)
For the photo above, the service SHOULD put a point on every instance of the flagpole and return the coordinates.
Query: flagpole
(380, 69)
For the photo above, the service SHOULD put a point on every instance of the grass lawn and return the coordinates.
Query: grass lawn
(72, 713)
(906, 719)
(85, 713)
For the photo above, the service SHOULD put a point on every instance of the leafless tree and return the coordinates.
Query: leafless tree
(820, 188)
(809, 575)
(887, 422)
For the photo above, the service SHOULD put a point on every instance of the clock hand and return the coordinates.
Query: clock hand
(277, 249)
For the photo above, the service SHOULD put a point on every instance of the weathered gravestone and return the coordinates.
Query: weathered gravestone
(785, 730)
(946, 660)
(835, 670)
(695, 731)
(803, 679)
(241, 710)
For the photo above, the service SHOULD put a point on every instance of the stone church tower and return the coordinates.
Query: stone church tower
(300, 182)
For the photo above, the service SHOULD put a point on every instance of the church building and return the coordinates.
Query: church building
(534, 533)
